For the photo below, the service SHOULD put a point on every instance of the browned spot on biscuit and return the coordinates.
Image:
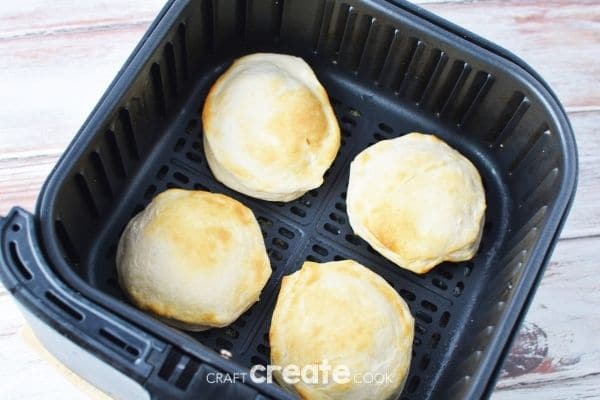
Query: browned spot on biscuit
(298, 123)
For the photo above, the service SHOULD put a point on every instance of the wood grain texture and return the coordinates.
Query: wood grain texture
(564, 314)
(51, 84)
(57, 57)
(559, 38)
(44, 18)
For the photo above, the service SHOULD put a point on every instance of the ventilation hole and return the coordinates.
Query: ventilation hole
(169, 366)
(386, 128)
(312, 258)
(306, 202)
(111, 141)
(232, 333)
(338, 258)
(424, 362)
(240, 16)
(458, 289)
(197, 146)
(320, 250)
(407, 295)
(444, 319)
(348, 122)
(332, 229)
(132, 147)
(181, 177)
(354, 112)
(420, 329)
(12, 248)
(199, 186)
(378, 136)
(280, 243)
(346, 133)
(224, 343)
(286, 233)
(424, 317)
(343, 195)
(429, 306)
(274, 254)
(414, 384)
(149, 192)
(101, 173)
(67, 309)
(188, 373)
(171, 68)
(183, 50)
(446, 274)
(158, 89)
(118, 342)
(179, 145)
(193, 157)
(468, 269)
(162, 172)
(64, 239)
(191, 125)
(340, 206)
(435, 340)
(353, 239)
(262, 349)
(86, 194)
(264, 221)
(337, 218)
(440, 284)
(298, 211)
(314, 193)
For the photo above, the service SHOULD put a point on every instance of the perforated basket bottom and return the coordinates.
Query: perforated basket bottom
(315, 227)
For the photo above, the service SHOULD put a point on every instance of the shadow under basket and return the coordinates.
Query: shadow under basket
(390, 68)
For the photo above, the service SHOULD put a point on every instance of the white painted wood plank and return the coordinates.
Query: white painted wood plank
(23, 173)
(50, 84)
(559, 38)
(584, 388)
(564, 318)
(74, 40)
(25, 373)
(584, 219)
(43, 17)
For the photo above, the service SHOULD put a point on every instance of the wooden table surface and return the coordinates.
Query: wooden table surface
(58, 56)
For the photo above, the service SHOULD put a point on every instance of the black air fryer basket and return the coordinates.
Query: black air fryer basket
(389, 68)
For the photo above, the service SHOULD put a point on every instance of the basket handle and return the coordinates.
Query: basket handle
(109, 352)
(94, 344)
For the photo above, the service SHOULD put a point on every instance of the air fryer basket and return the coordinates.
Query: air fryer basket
(389, 69)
